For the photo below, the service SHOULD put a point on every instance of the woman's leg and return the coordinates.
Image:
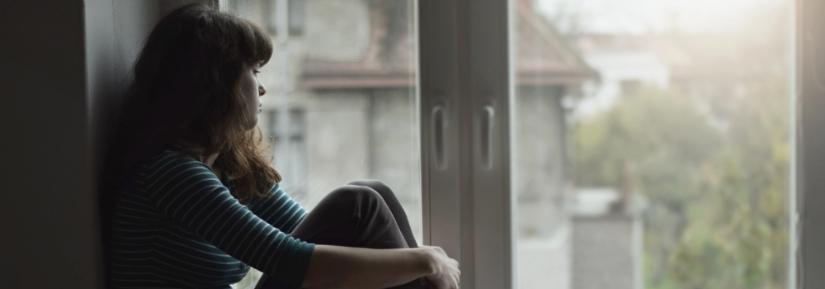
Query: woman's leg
(354, 216)
(395, 207)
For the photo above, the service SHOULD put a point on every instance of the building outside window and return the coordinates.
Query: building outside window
(651, 144)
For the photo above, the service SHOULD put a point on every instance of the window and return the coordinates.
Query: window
(635, 144)
(273, 15)
(342, 97)
(674, 170)
(296, 17)
(289, 147)
(560, 144)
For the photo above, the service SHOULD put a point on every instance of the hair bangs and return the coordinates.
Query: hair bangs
(258, 44)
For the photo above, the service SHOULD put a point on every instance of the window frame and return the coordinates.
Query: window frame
(465, 74)
(807, 239)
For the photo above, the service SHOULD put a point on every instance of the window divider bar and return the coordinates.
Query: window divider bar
(807, 236)
(464, 75)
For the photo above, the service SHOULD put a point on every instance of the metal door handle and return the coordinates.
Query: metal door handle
(488, 115)
(438, 130)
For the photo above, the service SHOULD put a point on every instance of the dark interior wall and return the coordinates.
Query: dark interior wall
(63, 68)
(47, 201)
(115, 33)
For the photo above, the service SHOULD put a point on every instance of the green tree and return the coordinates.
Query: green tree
(715, 173)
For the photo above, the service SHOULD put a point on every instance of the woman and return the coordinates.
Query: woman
(198, 201)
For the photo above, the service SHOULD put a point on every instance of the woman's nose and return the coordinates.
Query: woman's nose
(261, 90)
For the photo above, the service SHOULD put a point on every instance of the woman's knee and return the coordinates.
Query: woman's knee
(377, 185)
(359, 202)
(354, 193)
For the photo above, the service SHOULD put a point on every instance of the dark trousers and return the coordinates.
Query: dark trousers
(361, 214)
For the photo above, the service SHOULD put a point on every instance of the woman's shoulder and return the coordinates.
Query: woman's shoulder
(164, 167)
(170, 160)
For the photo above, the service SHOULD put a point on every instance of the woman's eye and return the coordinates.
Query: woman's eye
(256, 72)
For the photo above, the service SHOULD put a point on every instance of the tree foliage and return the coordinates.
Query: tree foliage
(714, 170)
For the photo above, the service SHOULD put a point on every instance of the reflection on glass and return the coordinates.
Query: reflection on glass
(651, 144)
(341, 100)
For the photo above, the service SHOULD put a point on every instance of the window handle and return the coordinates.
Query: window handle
(438, 130)
(488, 115)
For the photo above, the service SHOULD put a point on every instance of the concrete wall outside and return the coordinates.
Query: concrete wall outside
(605, 252)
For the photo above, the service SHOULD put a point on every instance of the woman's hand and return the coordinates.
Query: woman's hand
(447, 274)
(338, 267)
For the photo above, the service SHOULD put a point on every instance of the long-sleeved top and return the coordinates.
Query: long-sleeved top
(177, 226)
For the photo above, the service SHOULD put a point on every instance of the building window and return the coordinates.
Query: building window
(288, 134)
(293, 19)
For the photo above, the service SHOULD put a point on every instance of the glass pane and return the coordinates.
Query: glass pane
(652, 143)
(342, 101)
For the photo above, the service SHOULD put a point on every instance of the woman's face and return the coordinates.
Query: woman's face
(250, 91)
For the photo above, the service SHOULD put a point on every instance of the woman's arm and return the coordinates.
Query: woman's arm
(348, 267)
(278, 209)
(190, 195)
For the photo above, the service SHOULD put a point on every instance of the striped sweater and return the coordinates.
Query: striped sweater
(177, 226)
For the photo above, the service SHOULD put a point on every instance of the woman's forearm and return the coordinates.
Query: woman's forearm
(347, 267)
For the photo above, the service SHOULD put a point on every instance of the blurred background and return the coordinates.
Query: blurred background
(651, 143)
